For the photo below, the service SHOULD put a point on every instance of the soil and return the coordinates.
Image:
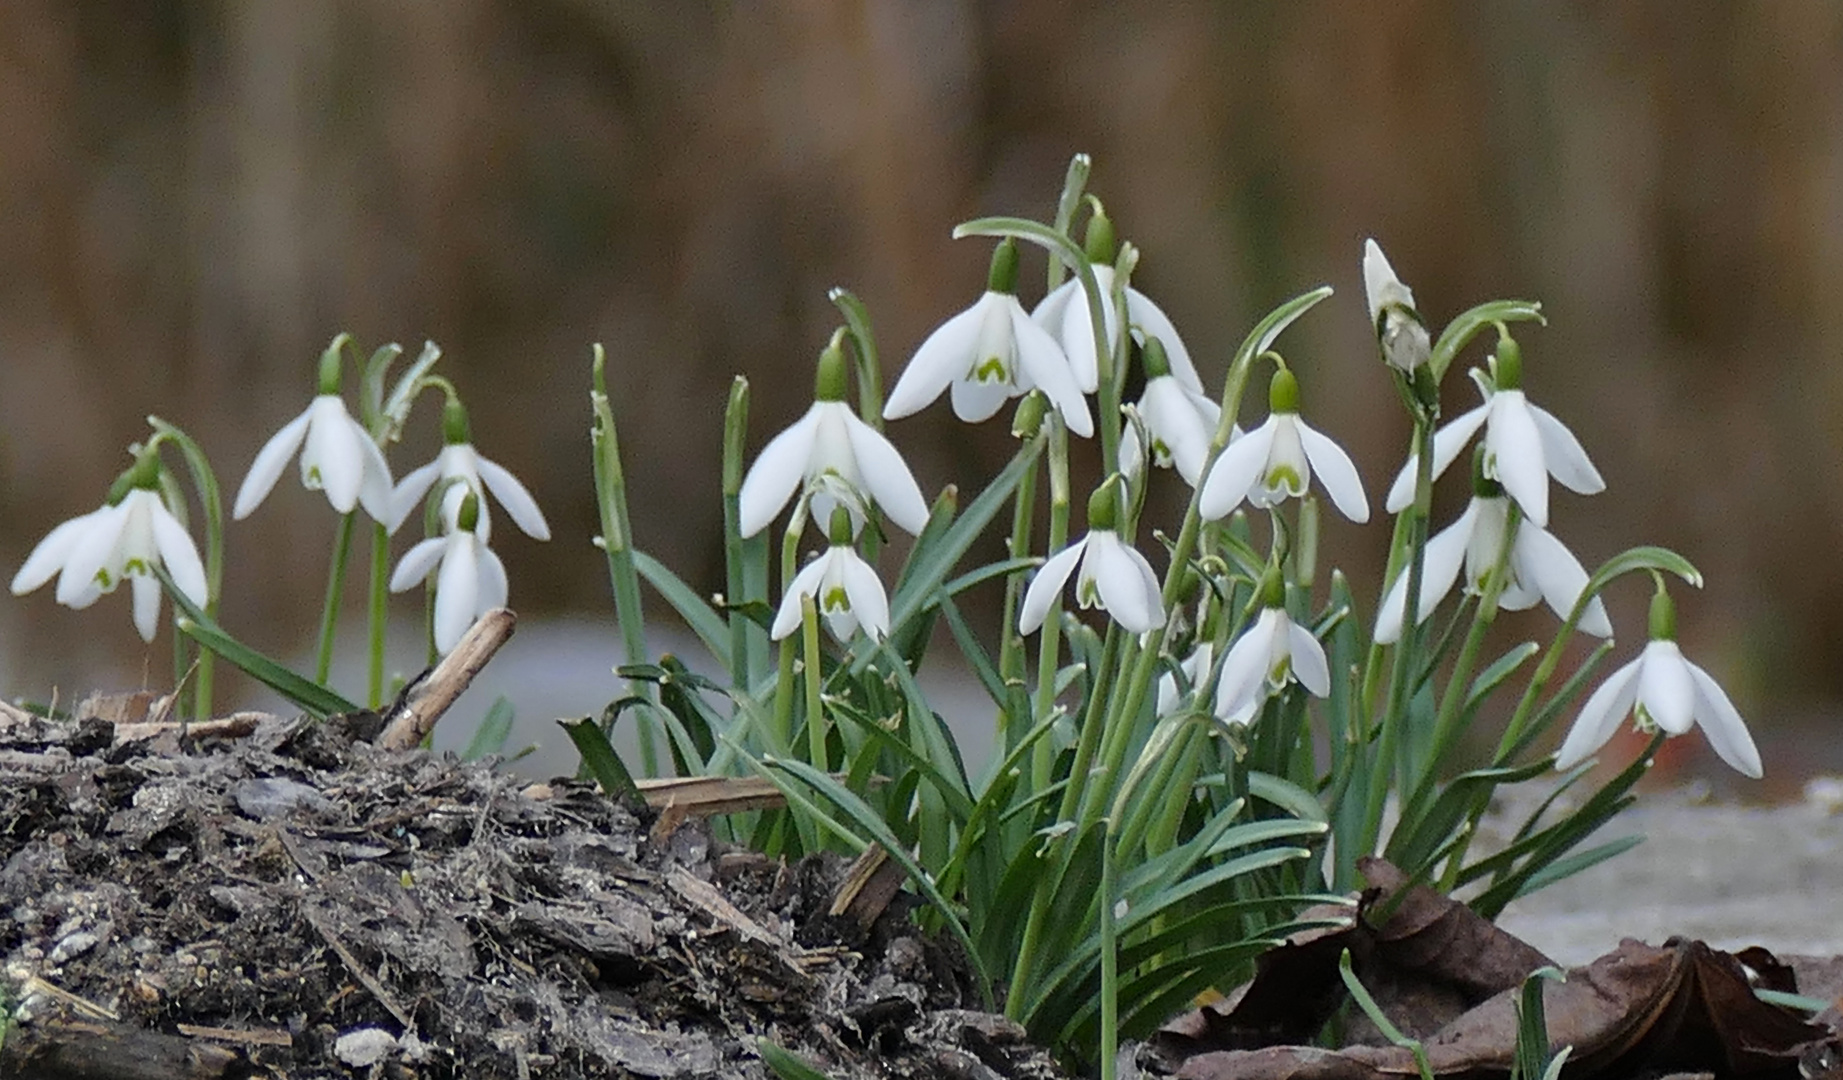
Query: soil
(288, 901)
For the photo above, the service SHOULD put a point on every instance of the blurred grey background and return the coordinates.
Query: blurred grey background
(194, 197)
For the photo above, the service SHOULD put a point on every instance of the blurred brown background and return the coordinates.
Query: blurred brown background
(195, 196)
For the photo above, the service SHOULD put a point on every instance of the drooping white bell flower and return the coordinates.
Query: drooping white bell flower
(470, 580)
(1524, 443)
(1179, 422)
(1065, 314)
(1399, 329)
(1664, 692)
(830, 444)
(1196, 669)
(1540, 567)
(1276, 460)
(1268, 655)
(337, 454)
(92, 554)
(989, 353)
(1114, 576)
(459, 460)
(845, 589)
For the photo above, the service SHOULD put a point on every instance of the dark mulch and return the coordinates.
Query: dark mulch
(295, 903)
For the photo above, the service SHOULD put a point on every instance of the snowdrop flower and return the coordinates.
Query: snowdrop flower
(123, 540)
(989, 353)
(1272, 653)
(1114, 576)
(1666, 692)
(830, 445)
(1276, 460)
(470, 581)
(339, 455)
(1540, 567)
(1398, 325)
(1179, 421)
(843, 586)
(1064, 313)
(1524, 444)
(1196, 671)
(459, 460)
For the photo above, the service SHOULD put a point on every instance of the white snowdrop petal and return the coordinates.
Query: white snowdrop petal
(1046, 367)
(1515, 449)
(944, 357)
(1600, 717)
(268, 466)
(179, 554)
(1238, 468)
(145, 589)
(886, 476)
(416, 564)
(515, 498)
(1336, 472)
(51, 553)
(330, 460)
(409, 493)
(1309, 663)
(1244, 672)
(1047, 585)
(374, 481)
(493, 586)
(1665, 689)
(1151, 319)
(805, 583)
(457, 591)
(1722, 725)
(1173, 420)
(1543, 563)
(865, 592)
(1122, 587)
(974, 402)
(1447, 442)
(777, 471)
(1566, 458)
(93, 553)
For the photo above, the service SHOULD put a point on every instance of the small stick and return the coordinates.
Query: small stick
(413, 717)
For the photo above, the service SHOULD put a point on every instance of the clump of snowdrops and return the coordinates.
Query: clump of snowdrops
(1198, 747)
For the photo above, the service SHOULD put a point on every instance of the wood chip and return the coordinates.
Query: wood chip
(415, 715)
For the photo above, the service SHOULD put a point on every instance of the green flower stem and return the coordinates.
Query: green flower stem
(617, 544)
(1049, 638)
(783, 686)
(335, 585)
(378, 615)
(1110, 956)
(1010, 642)
(745, 636)
(1382, 767)
(211, 499)
(815, 715)
(864, 350)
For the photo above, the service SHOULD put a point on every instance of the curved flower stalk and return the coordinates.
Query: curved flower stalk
(1524, 443)
(1114, 576)
(1399, 329)
(337, 454)
(1064, 313)
(1273, 652)
(1276, 460)
(124, 540)
(1540, 567)
(470, 580)
(845, 589)
(1179, 421)
(459, 460)
(989, 353)
(1663, 691)
(839, 458)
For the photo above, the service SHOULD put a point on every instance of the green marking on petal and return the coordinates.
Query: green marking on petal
(1280, 673)
(1285, 478)
(991, 370)
(1642, 720)
(136, 566)
(1088, 594)
(835, 600)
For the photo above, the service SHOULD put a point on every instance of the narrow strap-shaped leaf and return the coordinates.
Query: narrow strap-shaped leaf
(318, 701)
(490, 736)
(710, 627)
(600, 759)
